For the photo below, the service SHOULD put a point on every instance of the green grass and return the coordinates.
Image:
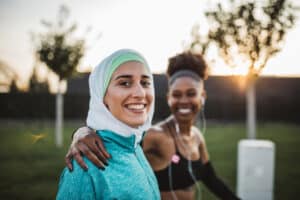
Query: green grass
(222, 140)
(30, 170)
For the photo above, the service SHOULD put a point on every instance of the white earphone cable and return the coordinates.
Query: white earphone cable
(190, 169)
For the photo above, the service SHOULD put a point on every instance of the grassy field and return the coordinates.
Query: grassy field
(31, 164)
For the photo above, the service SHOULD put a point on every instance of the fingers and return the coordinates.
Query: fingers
(102, 148)
(78, 157)
(86, 142)
(94, 144)
(68, 160)
(95, 149)
(85, 150)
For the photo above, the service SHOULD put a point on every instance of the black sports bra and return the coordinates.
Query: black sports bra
(180, 173)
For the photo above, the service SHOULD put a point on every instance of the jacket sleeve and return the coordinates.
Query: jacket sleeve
(215, 184)
(76, 185)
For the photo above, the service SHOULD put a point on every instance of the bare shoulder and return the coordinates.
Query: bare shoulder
(156, 128)
(159, 147)
(158, 138)
(156, 133)
(198, 134)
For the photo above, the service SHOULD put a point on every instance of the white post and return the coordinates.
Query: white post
(251, 110)
(256, 166)
(59, 117)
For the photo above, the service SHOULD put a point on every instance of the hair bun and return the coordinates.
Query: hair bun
(188, 61)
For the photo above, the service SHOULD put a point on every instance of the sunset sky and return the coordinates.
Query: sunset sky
(156, 28)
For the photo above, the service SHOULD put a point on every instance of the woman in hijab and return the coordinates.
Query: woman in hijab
(121, 109)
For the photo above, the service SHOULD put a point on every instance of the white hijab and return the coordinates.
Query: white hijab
(99, 117)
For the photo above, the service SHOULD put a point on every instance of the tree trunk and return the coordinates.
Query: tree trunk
(59, 117)
(251, 110)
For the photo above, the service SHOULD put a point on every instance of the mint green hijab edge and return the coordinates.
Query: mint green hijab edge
(119, 60)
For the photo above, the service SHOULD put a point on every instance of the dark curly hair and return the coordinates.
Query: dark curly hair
(187, 61)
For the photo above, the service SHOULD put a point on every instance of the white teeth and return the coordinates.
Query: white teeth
(184, 110)
(136, 106)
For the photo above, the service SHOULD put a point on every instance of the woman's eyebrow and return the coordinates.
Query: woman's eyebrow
(144, 76)
(123, 76)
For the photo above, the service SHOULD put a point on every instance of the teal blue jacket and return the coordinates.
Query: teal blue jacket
(128, 176)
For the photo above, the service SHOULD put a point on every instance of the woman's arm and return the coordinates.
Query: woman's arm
(86, 142)
(215, 184)
(157, 148)
(209, 177)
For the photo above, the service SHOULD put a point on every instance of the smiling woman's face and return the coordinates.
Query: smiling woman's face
(184, 98)
(129, 95)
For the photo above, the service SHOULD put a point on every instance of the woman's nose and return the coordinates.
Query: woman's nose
(139, 91)
(183, 99)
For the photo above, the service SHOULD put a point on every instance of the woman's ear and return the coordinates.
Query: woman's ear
(168, 99)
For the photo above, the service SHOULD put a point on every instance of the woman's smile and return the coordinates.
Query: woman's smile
(136, 107)
(184, 110)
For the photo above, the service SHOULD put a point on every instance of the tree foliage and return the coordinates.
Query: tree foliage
(8, 77)
(57, 49)
(199, 43)
(37, 86)
(249, 32)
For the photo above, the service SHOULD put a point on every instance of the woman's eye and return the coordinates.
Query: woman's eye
(146, 83)
(125, 83)
(191, 94)
(176, 95)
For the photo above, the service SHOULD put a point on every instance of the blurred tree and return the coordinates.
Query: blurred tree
(37, 86)
(199, 43)
(8, 78)
(249, 32)
(62, 54)
(13, 88)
